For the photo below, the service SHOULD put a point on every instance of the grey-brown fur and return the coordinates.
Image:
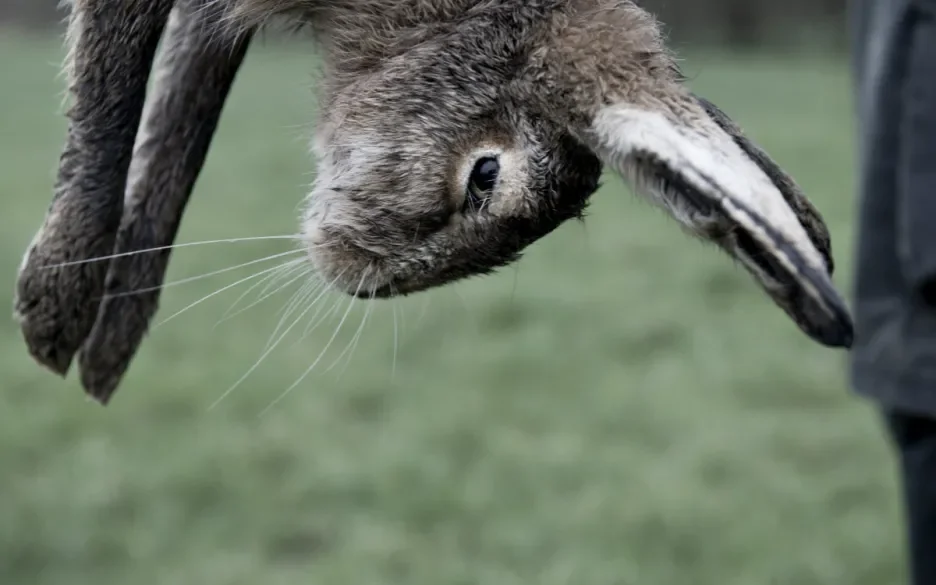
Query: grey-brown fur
(412, 90)
(59, 306)
(193, 77)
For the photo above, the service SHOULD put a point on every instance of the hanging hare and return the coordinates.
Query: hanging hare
(452, 134)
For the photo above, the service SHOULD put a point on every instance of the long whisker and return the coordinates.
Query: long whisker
(402, 320)
(395, 341)
(269, 280)
(422, 313)
(200, 277)
(259, 360)
(270, 349)
(357, 337)
(321, 354)
(305, 293)
(301, 267)
(219, 291)
(461, 299)
(513, 290)
(314, 323)
(171, 247)
(263, 297)
(351, 342)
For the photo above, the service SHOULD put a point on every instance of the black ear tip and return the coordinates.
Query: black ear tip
(839, 333)
(848, 337)
(828, 321)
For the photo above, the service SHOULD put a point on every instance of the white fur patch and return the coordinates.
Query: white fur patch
(707, 158)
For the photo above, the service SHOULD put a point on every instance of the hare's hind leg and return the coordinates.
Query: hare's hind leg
(111, 48)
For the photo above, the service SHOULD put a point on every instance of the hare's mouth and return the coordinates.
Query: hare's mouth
(396, 287)
(385, 291)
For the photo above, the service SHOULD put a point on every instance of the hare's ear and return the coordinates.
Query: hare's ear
(106, 208)
(193, 75)
(111, 48)
(689, 158)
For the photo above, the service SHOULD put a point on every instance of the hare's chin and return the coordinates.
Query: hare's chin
(388, 290)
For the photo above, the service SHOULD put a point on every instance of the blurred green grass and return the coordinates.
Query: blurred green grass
(623, 406)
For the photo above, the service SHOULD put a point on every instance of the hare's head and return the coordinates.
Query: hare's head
(436, 165)
(450, 157)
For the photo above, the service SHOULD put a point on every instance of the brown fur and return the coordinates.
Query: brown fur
(413, 91)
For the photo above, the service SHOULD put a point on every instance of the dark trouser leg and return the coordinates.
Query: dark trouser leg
(915, 439)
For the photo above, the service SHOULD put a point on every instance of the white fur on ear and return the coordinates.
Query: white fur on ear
(702, 178)
(708, 159)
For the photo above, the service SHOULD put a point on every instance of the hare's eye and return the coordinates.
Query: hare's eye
(481, 183)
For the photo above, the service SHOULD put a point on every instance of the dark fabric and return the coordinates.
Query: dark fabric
(894, 357)
(915, 440)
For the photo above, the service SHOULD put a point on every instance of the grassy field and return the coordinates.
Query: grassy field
(622, 407)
